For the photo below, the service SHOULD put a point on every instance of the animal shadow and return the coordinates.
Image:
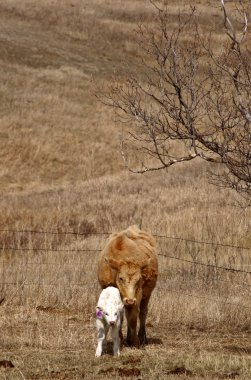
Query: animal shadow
(154, 341)
(109, 348)
(150, 341)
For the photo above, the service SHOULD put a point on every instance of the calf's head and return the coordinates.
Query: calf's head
(110, 313)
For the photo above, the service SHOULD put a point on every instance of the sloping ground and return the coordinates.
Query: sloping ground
(49, 125)
(52, 129)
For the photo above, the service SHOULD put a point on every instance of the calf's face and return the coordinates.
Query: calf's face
(110, 313)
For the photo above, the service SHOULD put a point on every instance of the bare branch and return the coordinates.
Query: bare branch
(189, 101)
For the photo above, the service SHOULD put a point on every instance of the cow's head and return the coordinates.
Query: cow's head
(129, 281)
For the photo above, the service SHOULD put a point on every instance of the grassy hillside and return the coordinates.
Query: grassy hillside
(61, 170)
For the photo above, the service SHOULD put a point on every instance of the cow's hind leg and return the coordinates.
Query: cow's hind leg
(142, 318)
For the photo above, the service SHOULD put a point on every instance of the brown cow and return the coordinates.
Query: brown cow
(129, 263)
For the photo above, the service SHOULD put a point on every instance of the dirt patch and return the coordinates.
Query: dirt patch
(57, 375)
(129, 372)
(239, 349)
(108, 370)
(47, 309)
(230, 375)
(180, 371)
(6, 364)
(131, 361)
(123, 372)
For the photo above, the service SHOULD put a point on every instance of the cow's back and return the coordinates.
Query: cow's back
(131, 245)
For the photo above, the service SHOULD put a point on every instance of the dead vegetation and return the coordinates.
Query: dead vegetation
(61, 170)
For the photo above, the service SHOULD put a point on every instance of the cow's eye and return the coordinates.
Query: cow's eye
(106, 313)
(116, 314)
(121, 278)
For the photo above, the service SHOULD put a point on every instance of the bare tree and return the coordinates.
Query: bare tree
(191, 99)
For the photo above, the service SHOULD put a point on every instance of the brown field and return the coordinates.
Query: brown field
(61, 171)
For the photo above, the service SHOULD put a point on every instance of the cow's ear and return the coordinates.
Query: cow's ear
(146, 264)
(114, 264)
(119, 243)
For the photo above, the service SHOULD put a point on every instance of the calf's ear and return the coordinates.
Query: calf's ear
(121, 307)
(99, 312)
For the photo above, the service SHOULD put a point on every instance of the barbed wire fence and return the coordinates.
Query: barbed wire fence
(23, 283)
(79, 233)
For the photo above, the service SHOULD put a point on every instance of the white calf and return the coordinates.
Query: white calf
(109, 313)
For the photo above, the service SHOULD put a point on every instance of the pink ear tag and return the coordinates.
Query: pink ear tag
(99, 314)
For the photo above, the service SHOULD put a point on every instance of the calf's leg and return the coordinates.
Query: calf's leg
(115, 339)
(102, 332)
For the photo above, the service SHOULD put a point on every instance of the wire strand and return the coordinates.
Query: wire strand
(49, 249)
(206, 265)
(99, 250)
(23, 283)
(109, 233)
(203, 297)
(203, 242)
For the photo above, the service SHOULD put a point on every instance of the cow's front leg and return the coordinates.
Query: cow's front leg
(131, 316)
(121, 325)
(142, 318)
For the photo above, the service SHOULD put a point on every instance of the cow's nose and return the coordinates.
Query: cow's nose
(129, 302)
(112, 323)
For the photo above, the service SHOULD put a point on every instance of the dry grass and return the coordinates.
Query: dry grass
(60, 170)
